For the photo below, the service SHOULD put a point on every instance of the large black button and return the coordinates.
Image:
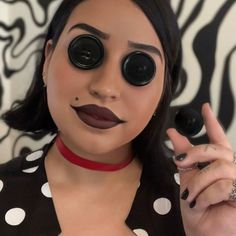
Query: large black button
(86, 52)
(188, 121)
(138, 68)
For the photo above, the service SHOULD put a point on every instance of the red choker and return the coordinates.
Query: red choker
(88, 164)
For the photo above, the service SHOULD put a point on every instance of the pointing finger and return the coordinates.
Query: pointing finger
(181, 146)
(214, 130)
(180, 143)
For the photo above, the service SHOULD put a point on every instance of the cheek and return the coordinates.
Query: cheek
(59, 76)
(146, 100)
(143, 107)
(62, 80)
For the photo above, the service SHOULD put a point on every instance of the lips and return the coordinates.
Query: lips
(97, 117)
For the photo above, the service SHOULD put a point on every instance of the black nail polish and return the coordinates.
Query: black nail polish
(201, 165)
(185, 194)
(192, 204)
(181, 157)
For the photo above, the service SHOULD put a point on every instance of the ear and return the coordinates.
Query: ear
(47, 54)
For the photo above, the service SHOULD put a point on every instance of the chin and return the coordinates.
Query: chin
(102, 147)
(98, 143)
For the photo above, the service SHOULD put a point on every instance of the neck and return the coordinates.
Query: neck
(88, 164)
(73, 175)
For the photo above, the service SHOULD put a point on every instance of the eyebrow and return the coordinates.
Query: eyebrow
(91, 30)
(106, 36)
(146, 47)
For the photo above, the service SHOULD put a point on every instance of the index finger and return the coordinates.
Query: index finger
(181, 145)
(215, 131)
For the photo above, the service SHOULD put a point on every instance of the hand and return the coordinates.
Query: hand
(207, 209)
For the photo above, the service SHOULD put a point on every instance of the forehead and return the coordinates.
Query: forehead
(123, 20)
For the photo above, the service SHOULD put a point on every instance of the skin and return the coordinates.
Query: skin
(75, 188)
(213, 213)
(105, 85)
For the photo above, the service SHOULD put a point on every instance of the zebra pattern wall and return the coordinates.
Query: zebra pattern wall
(209, 62)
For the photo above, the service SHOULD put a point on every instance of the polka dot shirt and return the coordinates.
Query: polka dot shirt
(27, 209)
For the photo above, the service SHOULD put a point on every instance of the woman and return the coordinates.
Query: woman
(103, 86)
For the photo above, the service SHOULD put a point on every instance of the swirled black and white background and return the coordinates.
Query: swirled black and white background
(208, 30)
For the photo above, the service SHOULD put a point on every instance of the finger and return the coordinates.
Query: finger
(181, 146)
(216, 193)
(180, 143)
(209, 175)
(205, 153)
(214, 130)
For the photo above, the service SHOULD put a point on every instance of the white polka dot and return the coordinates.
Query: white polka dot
(140, 232)
(1, 185)
(177, 180)
(34, 156)
(169, 144)
(30, 170)
(162, 206)
(46, 190)
(15, 216)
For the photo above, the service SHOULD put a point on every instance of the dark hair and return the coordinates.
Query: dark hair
(32, 114)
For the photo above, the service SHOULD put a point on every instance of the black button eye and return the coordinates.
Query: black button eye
(188, 121)
(86, 52)
(138, 68)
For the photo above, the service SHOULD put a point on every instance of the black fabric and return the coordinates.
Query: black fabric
(27, 210)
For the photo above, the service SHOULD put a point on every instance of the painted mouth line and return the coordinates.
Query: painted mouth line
(97, 117)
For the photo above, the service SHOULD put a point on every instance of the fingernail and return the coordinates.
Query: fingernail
(192, 204)
(185, 194)
(201, 165)
(181, 157)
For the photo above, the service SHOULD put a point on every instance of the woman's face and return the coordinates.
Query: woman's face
(122, 28)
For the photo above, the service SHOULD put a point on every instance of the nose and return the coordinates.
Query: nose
(105, 84)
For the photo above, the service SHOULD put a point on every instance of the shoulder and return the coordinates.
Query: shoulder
(20, 165)
(20, 175)
(25, 197)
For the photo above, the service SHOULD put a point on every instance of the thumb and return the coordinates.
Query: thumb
(181, 145)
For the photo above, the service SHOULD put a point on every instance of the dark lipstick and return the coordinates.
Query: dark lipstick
(97, 117)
